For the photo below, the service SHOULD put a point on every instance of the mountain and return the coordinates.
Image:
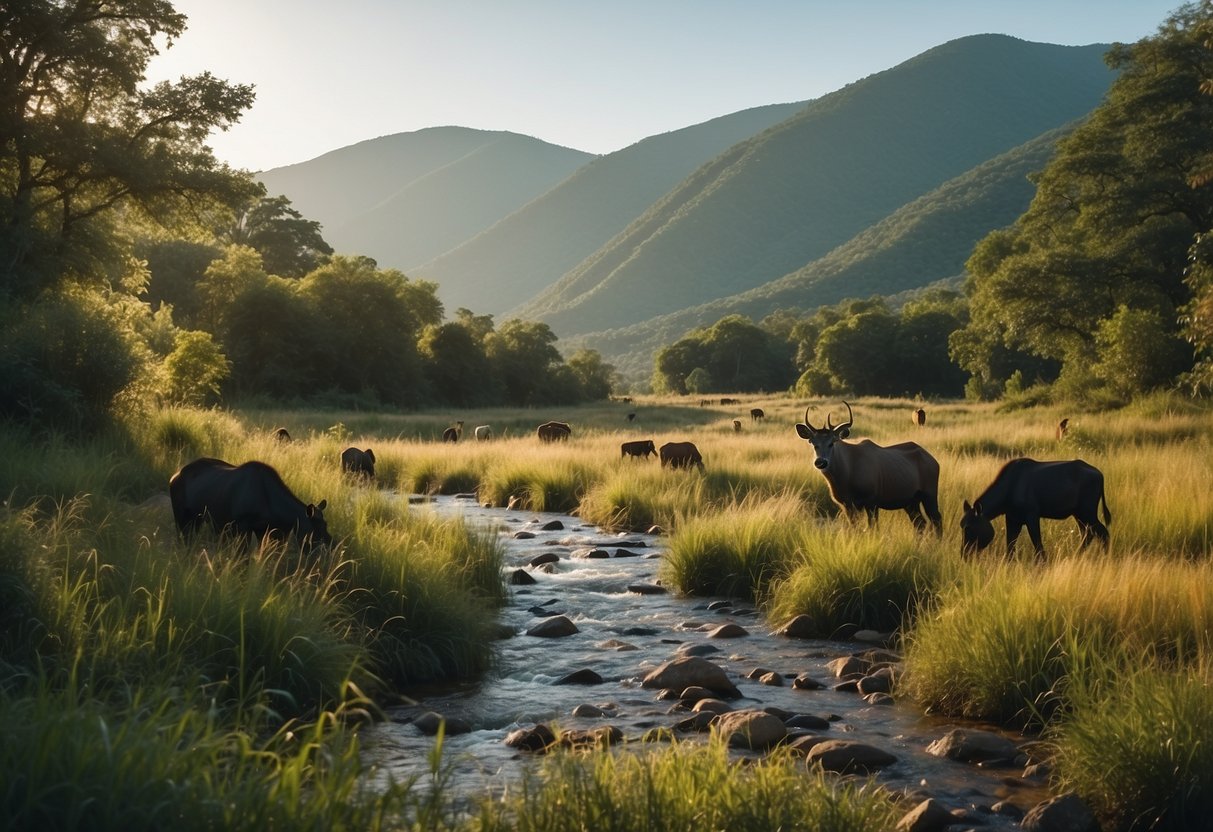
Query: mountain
(923, 243)
(531, 248)
(788, 196)
(406, 198)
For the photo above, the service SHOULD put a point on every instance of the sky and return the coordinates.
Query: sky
(595, 76)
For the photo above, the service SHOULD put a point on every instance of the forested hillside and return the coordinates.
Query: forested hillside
(788, 196)
(920, 244)
(406, 198)
(530, 249)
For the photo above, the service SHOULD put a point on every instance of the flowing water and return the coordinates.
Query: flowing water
(624, 635)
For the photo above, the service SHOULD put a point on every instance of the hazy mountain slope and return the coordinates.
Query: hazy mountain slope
(405, 198)
(921, 243)
(791, 194)
(531, 248)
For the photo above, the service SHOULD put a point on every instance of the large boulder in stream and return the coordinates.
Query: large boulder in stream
(848, 757)
(751, 729)
(555, 627)
(970, 745)
(691, 671)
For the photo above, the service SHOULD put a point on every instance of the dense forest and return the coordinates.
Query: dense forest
(138, 268)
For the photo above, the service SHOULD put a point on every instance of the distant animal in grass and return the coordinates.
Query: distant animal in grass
(1027, 491)
(631, 417)
(453, 433)
(282, 435)
(641, 448)
(680, 455)
(736, 426)
(359, 463)
(919, 417)
(553, 432)
(483, 433)
(1062, 428)
(757, 414)
(866, 477)
(248, 500)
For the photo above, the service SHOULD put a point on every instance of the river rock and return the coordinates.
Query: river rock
(546, 557)
(536, 738)
(626, 553)
(522, 535)
(655, 529)
(808, 722)
(806, 682)
(752, 729)
(585, 676)
(429, 722)
(684, 672)
(697, 649)
(928, 816)
(773, 679)
(849, 667)
(591, 737)
(848, 756)
(715, 706)
(555, 627)
(879, 682)
(729, 631)
(757, 673)
(587, 711)
(801, 626)
(878, 699)
(694, 694)
(973, 746)
(1064, 813)
(520, 577)
(872, 637)
(720, 605)
(591, 553)
(647, 589)
(552, 526)
(804, 744)
(695, 722)
(616, 645)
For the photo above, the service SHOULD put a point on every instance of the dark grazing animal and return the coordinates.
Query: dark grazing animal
(680, 455)
(282, 435)
(730, 401)
(359, 463)
(736, 426)
(249, 500)
(1027, 491)
(919, 417)
(1062, 427)
(554, 432)
(453, 433)
(757, 414)
(641, 448)
(631, 417)
(864, 476)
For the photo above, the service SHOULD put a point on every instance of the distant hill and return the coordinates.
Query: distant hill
(406, 198)
(924, 243)
(531, 248)
(788, 196)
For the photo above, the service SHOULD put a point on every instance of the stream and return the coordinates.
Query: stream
(623, 635)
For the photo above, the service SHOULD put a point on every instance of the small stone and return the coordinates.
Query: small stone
(799, 627)
(522, 535)
(1064, 813)
(808, 722)
(973, 746)
(928, 816)
(647, 589)
(555, 627)
(546, 557)
(552, 526)
(849, 667)
(429, 722)
(729, 631)
(616, 645)
(520, 577)
(698, 649)
(626, 553)
(585, 676)
(847, 756)
(714, 706)
(537, 738)
(878, 699)
(772, 679)
(586, 711)
(755, 730)
(806, 682)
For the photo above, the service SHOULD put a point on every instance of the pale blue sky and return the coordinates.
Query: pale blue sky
(596, 76)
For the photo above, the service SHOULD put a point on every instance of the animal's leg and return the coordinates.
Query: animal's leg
(1034, 533)
(873, 516)
(920, 522)
(1014, 526)
(930, 504)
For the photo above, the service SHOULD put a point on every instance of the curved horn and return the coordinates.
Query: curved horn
(807, 422)
(850, 418)
(829, 420)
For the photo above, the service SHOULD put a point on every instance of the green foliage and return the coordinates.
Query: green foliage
(686, 789)
(732, 355)
(594, 376)
(195, 368)
(1138, 352)
(1112, 221)
(83, 142)
(456, 366)
(524, 359)
(1137, 750)
(289, 244)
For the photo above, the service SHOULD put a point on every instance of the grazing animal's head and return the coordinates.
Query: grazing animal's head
(976, 531)
(320, 528)
(824, 439)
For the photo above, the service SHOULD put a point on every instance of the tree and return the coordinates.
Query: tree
(1114, 215)
(289, 245)
(858, 353)
(1138, 352)
(523, 356)
(81, 142)
(456, 366)
(594, 377)
(196, 367)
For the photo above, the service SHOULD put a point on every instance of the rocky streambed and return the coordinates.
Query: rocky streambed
(600, 653)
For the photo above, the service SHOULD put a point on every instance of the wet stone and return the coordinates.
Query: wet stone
(552, 526)
(616, 645)
(520, 577)
(729, 631)
(523, 535)
(546, 557)
(555, 627)
(429, 723)
(647, 589)
(799, 627)
(585, 676)
(847, 756)
(585, 711)
(698, 649)
(772, 679)
(808, 722)
(626, 553)
(536, 738)
(806, 682)
(928, 816)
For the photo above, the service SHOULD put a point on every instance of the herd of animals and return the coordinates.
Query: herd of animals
(252, 500)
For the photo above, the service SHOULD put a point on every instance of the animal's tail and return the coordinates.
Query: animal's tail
(1107, 515)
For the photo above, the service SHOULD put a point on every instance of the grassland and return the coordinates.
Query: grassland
(240, 674)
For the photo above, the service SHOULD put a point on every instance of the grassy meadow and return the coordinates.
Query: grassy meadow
(242, 675)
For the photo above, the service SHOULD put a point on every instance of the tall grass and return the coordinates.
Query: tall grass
(682, 789)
